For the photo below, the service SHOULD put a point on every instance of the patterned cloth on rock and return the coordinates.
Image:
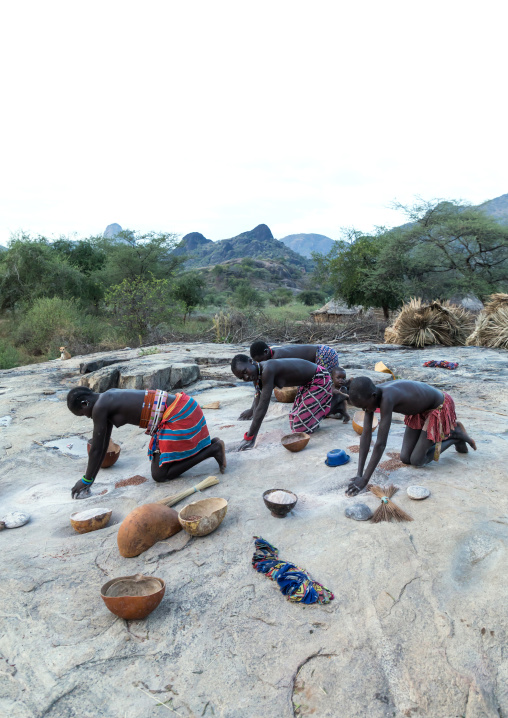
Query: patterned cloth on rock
(312, 402)
(438, 423)
(442, 364)
(178, 431)
(294, 582)
(327, 357)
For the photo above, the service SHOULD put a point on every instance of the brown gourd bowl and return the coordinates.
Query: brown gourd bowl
(278, 509)
(112, 453)
(295, 442)
(211, 513)
(90, 520)
(287, 395)
(133, 597)
(359, 418)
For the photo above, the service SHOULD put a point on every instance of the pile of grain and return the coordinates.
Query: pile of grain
(133, 481)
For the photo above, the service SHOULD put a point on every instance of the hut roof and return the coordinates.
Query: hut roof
(334, 307)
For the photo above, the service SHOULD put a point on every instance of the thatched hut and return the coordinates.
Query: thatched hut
(418, 325)
(491, 328)
(334, 312)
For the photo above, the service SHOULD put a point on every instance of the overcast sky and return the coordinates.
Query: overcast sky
(217, 116)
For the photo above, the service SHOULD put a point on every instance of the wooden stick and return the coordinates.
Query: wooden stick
(175, 498)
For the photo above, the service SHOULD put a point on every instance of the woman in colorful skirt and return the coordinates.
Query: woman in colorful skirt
(431, 424)
(314, 401)
(175, 422)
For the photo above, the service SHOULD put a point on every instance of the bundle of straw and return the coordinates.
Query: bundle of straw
(387, 510)
(172, 500)
(491, 328)
(418, 324)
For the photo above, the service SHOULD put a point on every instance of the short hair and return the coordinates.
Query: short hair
(77, 395)
(239, 359)
(257, 348)
(361, 387)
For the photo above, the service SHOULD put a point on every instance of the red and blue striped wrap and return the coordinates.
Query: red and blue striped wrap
(181, 433)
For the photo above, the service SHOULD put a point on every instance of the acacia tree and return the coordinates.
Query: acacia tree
(455, 247)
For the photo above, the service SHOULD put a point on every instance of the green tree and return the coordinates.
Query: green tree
(31, 268)
(140, 304)
(188, 290)
(364, 271)
(246, 295)
(280, 297)
(135, 256)
(452, 247)
(309, 297)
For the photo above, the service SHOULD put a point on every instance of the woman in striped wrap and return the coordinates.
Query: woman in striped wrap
(178, 430)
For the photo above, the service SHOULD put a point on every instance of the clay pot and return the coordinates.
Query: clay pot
(112, 453)
(358, 419)
(90, 520)
(295, 442)
(211, 513)
(133, 597)
(287, 395)
(280, 502)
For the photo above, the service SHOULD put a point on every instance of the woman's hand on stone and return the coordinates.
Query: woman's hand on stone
(246, 415)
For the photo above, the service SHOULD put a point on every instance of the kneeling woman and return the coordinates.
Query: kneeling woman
(315, 398)
(180, 437)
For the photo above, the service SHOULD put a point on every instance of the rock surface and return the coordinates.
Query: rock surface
(417, 492)
(358, 512)
(15, 519)
(418, 627)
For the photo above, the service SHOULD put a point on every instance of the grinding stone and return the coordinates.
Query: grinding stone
(417, 492)
(15, 519)
(358, 512)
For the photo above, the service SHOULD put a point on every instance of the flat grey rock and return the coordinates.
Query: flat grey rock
(358, 512)
(15, 519)
(418, 492)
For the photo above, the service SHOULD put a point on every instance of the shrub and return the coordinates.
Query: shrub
(309, 297)
(52, 322)
(280, 297)
(139, 305)
(9, 356)
(246, 295)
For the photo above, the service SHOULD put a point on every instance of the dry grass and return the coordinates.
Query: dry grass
(491, 328)
(419, 325)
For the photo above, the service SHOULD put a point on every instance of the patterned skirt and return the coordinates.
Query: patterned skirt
(327, 357)
(180, 432)
(438, 423)
(312, 402)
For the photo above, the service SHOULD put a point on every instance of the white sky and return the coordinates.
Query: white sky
(217, 116)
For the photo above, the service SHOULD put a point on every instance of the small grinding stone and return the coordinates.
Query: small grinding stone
(417, 492)
(15, 519)
(358, 512)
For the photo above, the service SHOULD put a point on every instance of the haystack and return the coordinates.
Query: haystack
(418, 325)
(491, 328)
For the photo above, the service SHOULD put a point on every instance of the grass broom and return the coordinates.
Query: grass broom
(387, 510)
(205, 484)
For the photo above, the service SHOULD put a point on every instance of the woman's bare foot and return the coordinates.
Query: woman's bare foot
(220, 455)
(460, 433)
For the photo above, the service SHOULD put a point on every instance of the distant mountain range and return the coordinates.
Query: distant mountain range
(305, 244)
(497, 208)
(258, 243)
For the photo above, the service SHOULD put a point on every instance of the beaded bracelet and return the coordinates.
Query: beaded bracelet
(248, 438)
(85, 481)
